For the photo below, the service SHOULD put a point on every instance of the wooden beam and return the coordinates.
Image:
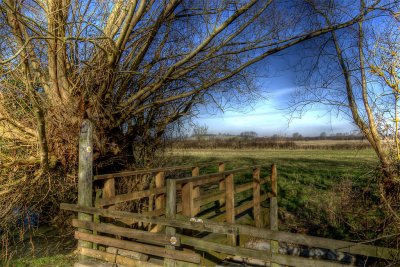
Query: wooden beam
(221, 185)
(180, 222)
(205, 199)
(187, 200)
(170, 213)
(195, 192)
(85, 175)
(148, 171)
(112, 258)
(208, 246)
(130, 196)
(257, 197)
(243, 187)
(227, 249)
(273, 211)
(160, 198)
(230, 206)
(159, 239)
(140, 247)
(208, 178)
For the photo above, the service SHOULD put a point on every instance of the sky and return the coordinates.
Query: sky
(270, 116)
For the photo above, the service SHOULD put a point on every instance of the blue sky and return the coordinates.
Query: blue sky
(270, 116)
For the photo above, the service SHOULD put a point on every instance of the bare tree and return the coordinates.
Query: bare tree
(348, 84)
(357, 72)
(132, 67)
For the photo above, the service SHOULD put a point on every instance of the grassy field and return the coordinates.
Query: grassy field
(321, 192)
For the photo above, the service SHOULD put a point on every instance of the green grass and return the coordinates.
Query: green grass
(316, 187)
(60, 260)
(42, 247)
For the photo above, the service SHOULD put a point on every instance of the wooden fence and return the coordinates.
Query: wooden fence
(179, 210)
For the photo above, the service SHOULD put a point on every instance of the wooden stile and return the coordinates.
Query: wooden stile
(224, 228)
(167, 245)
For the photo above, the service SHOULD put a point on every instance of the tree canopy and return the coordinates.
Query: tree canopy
(132, 67)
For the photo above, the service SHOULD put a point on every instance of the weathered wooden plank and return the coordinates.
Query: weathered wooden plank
(130, 196)
(195, 192)
(257, 197)
(109, 188)
(180, 222)
(274, 180)
(160, 183)
(238, 210)
(112, 258)
(319, 242)
(96, 218)
(205, 199)
(85, 174)
(273, 211)
(227, 249)
(160, 239)
(128, 253)
(247, 205)
(148, 171)
(256, 254)
(295, 261)
(170, 213)
(187, 199)
(230, 206)
(108, 192)
(140, 247)
(221, 168)
(160, 199)
(243, 187)
(208, 178)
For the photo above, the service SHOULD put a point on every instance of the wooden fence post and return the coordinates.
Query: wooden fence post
(256, 197)
(221, 168)
(160, 182)
(196, 190)
(96, 217)
(108, 192)
(159, 199)
(85, 175)
(273, 211)
(230, 206)
(170, 213)
(188, 193)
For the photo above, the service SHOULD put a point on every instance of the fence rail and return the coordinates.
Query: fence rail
(183, 222)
